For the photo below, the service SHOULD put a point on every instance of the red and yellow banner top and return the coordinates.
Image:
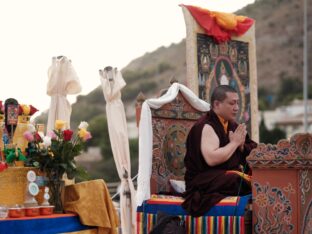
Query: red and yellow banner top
(221, 26)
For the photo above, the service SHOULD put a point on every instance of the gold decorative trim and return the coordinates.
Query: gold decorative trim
(304, 184)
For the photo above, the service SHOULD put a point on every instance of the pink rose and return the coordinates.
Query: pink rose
(28, 136)
(87, 136)
(52, 135)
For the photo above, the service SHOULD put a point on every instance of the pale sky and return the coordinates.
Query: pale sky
(92, 33)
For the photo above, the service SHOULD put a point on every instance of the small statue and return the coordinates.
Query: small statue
(46, 197)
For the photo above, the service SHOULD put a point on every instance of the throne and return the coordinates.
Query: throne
(170, 124)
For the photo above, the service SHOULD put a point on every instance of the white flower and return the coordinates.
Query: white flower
(31, 128)
(46, 141)
(41, 134)
(83, 125)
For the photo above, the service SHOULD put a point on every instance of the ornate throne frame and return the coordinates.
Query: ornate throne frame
(171, 124)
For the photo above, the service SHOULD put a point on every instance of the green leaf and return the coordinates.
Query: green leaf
(82, 174)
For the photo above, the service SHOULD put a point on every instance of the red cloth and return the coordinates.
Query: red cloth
(221, 26)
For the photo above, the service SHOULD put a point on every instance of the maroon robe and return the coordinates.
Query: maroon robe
(207, 185)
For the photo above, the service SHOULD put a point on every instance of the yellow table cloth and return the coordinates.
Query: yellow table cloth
(92, 202)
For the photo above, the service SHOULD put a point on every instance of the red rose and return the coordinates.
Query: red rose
(37, 137)
(67, 134)
(3, 166)
(1, 108)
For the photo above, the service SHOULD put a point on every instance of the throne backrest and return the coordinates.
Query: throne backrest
(171, 124)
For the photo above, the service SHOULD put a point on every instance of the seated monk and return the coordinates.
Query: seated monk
(216, 150)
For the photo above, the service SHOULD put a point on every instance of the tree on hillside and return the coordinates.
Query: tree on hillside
(134, 152)
(100, 137)
(289, 90)
(106, 168)
(270, 136)
(265, 99)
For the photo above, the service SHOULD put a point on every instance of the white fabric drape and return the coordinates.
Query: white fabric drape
(118, 134)
(63, 80)
(146, 134)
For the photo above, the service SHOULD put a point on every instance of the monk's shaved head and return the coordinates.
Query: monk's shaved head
(219, 93)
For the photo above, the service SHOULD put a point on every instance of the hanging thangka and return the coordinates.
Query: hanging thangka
(215, 57)
(224, 64)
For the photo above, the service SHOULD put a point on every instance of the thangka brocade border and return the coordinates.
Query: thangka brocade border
(192, 29)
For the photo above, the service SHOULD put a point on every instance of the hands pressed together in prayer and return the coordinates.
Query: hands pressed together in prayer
(238, 136)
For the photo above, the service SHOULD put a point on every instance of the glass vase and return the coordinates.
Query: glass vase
(56, 187)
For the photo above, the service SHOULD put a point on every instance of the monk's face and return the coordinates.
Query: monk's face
(229, 107)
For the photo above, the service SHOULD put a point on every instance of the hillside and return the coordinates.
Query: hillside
(279, 49)
(279, 53)
(279, 39)
(153, 72)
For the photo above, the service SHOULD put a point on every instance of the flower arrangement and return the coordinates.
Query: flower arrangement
(54, 153)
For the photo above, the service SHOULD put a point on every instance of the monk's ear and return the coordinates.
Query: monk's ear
(216, 103)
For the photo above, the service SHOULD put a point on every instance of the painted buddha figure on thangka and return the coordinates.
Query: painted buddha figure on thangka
(224, 78)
